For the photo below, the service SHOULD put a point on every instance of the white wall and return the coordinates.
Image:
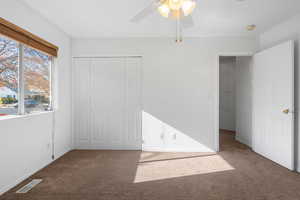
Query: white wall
(179, 80)
(288, 30)
(243, 106)
(25, 142)
(227, 93)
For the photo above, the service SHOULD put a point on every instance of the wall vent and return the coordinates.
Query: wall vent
(29, 186)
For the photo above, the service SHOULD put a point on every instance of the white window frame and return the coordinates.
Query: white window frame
(21, 102)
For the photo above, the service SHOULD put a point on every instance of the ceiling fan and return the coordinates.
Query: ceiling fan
(179, 10)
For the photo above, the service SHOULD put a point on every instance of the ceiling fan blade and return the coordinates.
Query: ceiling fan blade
(150, 9)
(187, 22)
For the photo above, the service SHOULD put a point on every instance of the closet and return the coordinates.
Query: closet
(107, 103)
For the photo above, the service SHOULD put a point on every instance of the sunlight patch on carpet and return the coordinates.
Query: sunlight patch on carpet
(175, 168)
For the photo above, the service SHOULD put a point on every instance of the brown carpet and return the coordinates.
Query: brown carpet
(236, 173)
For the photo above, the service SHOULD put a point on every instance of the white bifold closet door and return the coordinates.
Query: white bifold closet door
(107, 103)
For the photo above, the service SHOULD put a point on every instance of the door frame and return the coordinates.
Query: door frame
(217, 93)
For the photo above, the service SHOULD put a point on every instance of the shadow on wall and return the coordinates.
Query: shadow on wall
(163, 135)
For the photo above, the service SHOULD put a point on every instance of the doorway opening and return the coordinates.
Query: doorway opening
(255, 101)
(235, 106)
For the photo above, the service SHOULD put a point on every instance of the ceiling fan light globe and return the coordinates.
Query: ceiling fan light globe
(176, 14)
(188, 7)
(164, 10)
(175, 4)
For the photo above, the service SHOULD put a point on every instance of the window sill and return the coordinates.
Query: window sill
(24, 116)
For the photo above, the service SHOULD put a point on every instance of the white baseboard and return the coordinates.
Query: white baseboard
(187, 150)
(243, 141)
(19, 180)
(60, 154)
(89, 147)
(154, 149)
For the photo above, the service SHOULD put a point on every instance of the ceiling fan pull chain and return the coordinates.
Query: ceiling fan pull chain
(178, 31)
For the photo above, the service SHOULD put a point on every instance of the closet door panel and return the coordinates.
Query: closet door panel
(108, 102)
(133, 134)
(81, 100)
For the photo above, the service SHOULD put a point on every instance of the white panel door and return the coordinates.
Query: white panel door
(133, 100)
(81, 101)
(273, 104)
(108, 103)
(243, 100)
(108, 93)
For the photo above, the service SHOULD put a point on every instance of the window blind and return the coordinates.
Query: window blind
(21, 35)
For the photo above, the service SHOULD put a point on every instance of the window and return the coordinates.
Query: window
(37, 76)
(25, 88)
(9, 56)
(25, 71)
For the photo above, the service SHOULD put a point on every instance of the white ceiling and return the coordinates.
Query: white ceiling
(111, 18)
